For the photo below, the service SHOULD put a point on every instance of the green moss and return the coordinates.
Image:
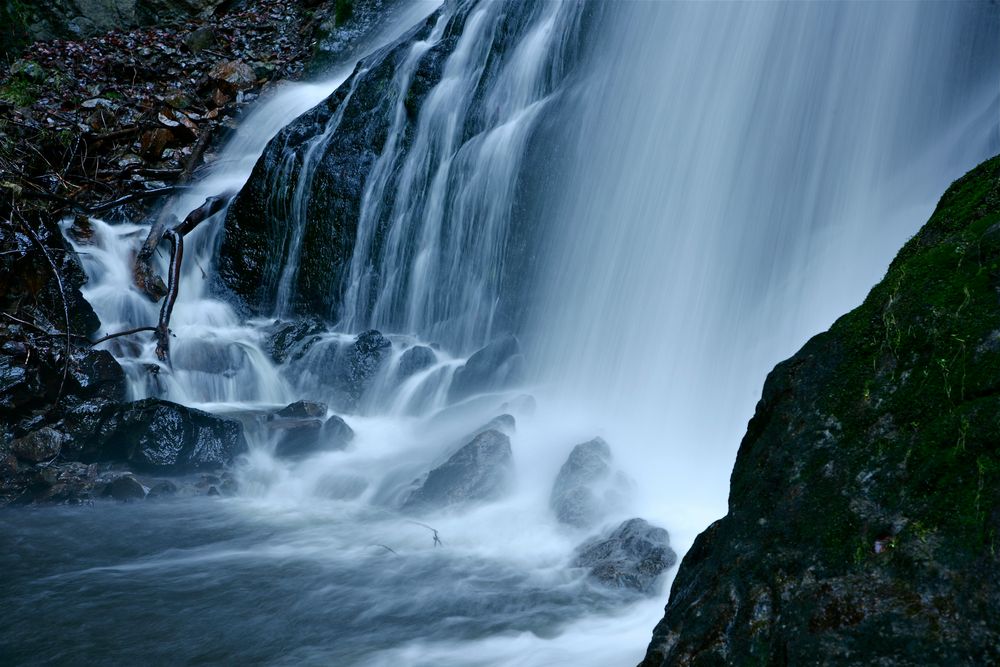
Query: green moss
(19, 92)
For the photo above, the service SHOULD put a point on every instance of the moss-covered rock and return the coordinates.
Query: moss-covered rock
(864, 510)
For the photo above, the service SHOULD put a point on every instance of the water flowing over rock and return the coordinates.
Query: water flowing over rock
(587, 487)
(496, 366)
(158, 436)
(864, 511)
(632, 556)
(414, 360)
(397, 193)
(477, 472)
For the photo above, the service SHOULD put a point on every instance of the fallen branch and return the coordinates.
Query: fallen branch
(127, 332)
(174, 276)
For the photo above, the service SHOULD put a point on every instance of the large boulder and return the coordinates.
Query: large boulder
(587, 487)
(477, 472)
(864, 504)
(158, 436)
(496, 366)
(632, 556)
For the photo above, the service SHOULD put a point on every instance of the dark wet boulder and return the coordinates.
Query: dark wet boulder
(158, 436)
(477, 472)
(588, 487)
(125, 488)
(504, 423)
(414, 360)
(162, 489)
(290, 339)
(353, 367)
(496, 366)
(41, 445)
(70, 483)
(336, 433)
(297, 437)
(302, 410)
(632, 556)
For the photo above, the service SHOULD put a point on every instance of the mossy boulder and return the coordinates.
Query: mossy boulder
(864, 510)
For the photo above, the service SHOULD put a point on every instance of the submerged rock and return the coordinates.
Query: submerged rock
(632, 556)
(495, 366)
(158, 436)
(479, 471)
(587, 487)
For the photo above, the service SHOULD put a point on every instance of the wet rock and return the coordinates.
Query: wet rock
(125, 488)
(495, 366)
(587, 487)
(302, 410)
(304, 436)
(290, 339)
(158, 436)
(504, 423)
(258, 225)
(354, 366)
(70, 483)
(41, 445)
(200, 39)
(297, 437)
(632, 556)
(414, 360)
(234, 72)
(162, 489)
(336, 433)
(477, 472)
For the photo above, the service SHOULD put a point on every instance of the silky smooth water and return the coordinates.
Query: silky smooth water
(706, 185)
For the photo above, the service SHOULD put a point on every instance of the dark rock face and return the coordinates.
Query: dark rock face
(495, 366)
(477, 472)
(297, 437)
(587, 487)
(864, 510)
(414, 360)
(260, 223)
(632, 556)
(158, 436)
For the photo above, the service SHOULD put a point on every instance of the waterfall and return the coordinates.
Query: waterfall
(628, 210)
(742, 175)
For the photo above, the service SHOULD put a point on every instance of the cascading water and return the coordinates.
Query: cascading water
(704, 186)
